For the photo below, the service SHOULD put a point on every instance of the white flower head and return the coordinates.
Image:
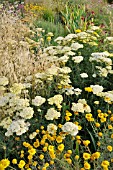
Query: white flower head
(52, 128)
(77, 91)
(77, 107)
(6, 122)
(32, 135)
(16, 88)
(38, 101)
(59, 40)
(70, 128)
(52, 114)
(77, 59)
(96, 89)
(17, 126)
(109, 39)
(26, 113)
(65, 70)
(57, 99)
(84, 75)
(76, 46)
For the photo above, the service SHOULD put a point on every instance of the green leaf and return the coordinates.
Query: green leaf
(77, 148)
(92, 138)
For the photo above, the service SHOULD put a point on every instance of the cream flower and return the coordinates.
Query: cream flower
(70, 128)
(77, 59)
(26, 113)
(84, 75)
(76, 46)
(57, 99)
(77, 107)
(52, 128)
(16, 88)
(17, 126)
(5, 123)
(52, 114)
(38, 101)
(96, 89)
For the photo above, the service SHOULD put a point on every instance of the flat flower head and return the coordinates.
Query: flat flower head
(5, 163)
(70, 128)
(86, 156)
(61, 147)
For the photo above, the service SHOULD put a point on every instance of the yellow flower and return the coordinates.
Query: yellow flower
(48, 38)
(22, 155)
(95, 155)
(69, 151)
(88, 89)
(1, 167)
(44, 148)
(59, 139)
(98, 143)
(87, 165)
(32, 151)
(51, 148)
(78, 137)
(77, 157)
(59, 125)
(52, 154)
(5, 163)
(79, 127)
(100, 115)
(99, 111)
(35, 163)
(46, 164)
(61, 147)
(97, 124)
(44, 168)
(67, 118)
(86, 156)
(42, 142)
(111, 118)
(30, 157)
(41, 156)
(26, 144)
(111, 136)
(109, 148)
(109, 111)
(77, 31)
(110, 127)
(37, 130)
(42, 127)
(100, 134)
(103, 119)
(112, 160)
(67, 155)
(51, 162)
(89, 115)
(14, 161)
(69, 160)
(105, 164)
(68, 113)
(21, 164)
(46, 144)
(86, 142)
(36, 144)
